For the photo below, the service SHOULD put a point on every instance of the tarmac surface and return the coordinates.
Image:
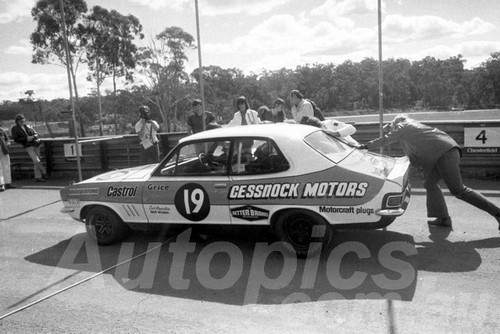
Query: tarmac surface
(434, 281)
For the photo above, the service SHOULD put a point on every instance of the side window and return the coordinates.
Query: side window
(256, 156)
(205, 158)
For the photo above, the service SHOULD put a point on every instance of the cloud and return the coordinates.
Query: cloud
(217, 7)
(346, 8)
(24, 48)
(159, 4)
(399, 29)
(11, 11)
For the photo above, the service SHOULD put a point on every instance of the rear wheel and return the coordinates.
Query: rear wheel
(305, 232)
(104, 226)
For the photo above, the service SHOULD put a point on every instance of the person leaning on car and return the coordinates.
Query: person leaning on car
(146, 128)
(300, 106)
(439, 155)
(25, 135)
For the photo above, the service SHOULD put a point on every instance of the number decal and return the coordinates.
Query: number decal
(482, 136)
(192, 202)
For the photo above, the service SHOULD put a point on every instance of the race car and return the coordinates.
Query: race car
(298, 179)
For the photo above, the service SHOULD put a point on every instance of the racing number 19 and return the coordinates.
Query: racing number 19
(192, 202)
(197, 198)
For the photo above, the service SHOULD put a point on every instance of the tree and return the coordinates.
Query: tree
(108, 37)
(48, 40)
(162, 65)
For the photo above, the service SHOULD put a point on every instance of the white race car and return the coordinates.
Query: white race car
(297, 178)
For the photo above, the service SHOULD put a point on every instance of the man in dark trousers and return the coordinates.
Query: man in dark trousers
(439, 155)
(195, 120)
(25, 135)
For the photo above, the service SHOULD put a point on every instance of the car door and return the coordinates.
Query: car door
(191, 185)
(256, 165)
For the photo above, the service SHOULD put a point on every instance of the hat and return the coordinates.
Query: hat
(196, 102)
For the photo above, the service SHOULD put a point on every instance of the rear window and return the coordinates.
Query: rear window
(330, 147)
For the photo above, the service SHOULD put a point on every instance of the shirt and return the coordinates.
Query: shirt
(195, 121)
(147, 132)
(304, 108)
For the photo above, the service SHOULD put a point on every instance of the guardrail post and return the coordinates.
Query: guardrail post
(103, 147)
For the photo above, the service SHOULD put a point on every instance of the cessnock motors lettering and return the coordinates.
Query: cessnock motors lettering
(334, 189)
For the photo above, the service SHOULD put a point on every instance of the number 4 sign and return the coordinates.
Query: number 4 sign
(482, 137)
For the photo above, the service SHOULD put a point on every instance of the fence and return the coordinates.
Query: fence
(124, 151)
(98, 154)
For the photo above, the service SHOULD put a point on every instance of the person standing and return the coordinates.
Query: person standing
(147, 128)
(25, 135)
(439, 155)
(5, 175)
(195, 120)
(244, 115)
(300, 106)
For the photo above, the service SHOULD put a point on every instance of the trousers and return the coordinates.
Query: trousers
(447, 168)
(39, 168)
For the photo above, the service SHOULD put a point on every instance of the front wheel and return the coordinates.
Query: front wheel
(305, 232)
(104, 226)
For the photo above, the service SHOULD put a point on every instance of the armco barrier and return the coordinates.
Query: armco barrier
(100, 155)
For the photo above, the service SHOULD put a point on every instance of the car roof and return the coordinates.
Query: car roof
(279, 131)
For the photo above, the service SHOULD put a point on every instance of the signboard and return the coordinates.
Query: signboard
(482, 139)
(70, 151)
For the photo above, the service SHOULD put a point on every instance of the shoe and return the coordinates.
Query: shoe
(2, 188)
(497, 217)
(440, 222)
(40, 180)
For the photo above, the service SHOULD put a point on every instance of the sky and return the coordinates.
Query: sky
(254, 35)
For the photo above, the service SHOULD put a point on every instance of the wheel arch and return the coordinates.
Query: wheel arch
(86, 209)
(277, 214)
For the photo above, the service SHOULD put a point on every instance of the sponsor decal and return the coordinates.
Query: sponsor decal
(83, 191)
(349, 209)
(73, 203)
(157, 187)
(250, 213)
(159, 209)
(123, 191)
(334, 189)
(258, 191)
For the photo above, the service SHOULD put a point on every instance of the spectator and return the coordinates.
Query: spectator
(195, 120)
(333, 127)
(275, 115)
(5, 175)
(25, 135)
(300, 106)
(147, 128)
(244, 115)
(439, 155)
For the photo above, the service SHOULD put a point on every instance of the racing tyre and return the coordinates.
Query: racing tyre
(104, 226)
(296, 228)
